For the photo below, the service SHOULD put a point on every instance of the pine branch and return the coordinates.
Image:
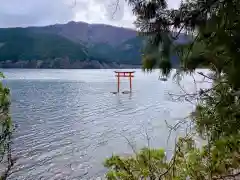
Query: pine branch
(228, 176)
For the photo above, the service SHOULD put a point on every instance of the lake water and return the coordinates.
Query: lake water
(68, 122)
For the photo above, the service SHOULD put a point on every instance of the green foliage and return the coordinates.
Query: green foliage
(146, 163)
(215, 27)
(5, 128)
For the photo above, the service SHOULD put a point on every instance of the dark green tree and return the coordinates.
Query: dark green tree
(5, 131)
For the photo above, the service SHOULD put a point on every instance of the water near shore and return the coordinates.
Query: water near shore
(68, 122)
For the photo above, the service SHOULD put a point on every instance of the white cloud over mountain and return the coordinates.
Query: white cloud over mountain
(15, 13)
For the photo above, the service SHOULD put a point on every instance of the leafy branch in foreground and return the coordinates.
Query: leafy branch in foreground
(5, 131)
(213, 28)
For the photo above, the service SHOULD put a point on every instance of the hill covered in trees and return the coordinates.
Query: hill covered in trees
(71, 45)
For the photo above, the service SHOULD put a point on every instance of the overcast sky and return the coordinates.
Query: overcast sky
(15, 13)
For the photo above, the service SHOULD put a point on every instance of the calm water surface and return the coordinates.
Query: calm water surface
(68, 122)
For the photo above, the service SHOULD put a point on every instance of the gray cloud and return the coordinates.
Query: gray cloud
(34, 12)
(14, 13)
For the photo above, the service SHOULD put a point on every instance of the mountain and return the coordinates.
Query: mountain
(19, 44)
(90, 33)
(130, 51)
(71, 45)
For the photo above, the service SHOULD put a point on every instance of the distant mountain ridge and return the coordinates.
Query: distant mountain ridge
(71, 45)
(90, 33)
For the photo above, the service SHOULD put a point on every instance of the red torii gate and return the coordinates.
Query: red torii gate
(128, 74)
